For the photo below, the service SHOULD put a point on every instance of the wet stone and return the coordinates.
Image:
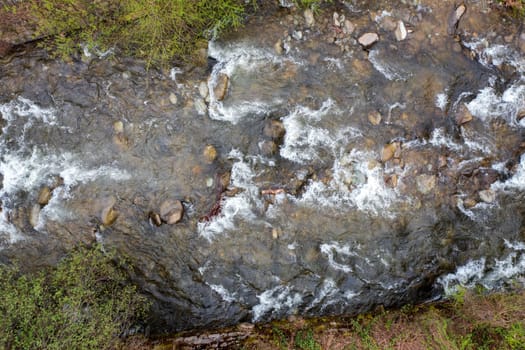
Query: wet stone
(487, 196)
(401, 31)
(203, 89)
(171, 211)
(454, 17)
(426, 183)
(368, 39)
(173, 98)
(221, 87)
(278, 47)
(349, 27)
(155, 218)
(44, 196)
(274, 129)
(34, 215)
(309, 17)
(118, 127)
(268, 147)
(463, 115)
(200, 106)
(374, 118)
(108, 215)
(389, 151)
(520, 115)
(210, 154)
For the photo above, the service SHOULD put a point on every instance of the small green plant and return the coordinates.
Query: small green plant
(85, 302)
(314, 5)
(304, 340)
(279, 338)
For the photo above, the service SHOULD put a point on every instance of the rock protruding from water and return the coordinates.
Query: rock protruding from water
(274, 129)
(463, 115)
(171, 211)
(109, 214)
(368, 39)
(390, 151)
(454, 17)
(401, 31)
(44, 196)
(221, 86)
(487, 196)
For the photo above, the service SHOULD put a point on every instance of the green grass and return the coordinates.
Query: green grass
(85, 302)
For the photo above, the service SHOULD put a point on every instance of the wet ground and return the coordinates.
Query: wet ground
(339, 177)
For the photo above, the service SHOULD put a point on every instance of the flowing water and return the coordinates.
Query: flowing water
(312, 222)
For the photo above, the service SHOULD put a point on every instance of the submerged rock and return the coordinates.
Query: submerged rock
(210, 154)
(426, 183)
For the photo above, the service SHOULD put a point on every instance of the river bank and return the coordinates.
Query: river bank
(467, 321)
(363, 157)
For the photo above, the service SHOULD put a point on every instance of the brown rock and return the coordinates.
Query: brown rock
(278, 47)
(108, 214)
(44, 196)
(469, 203)
(171, 211)
(520, 115)
(375, 118)
(154, 218)
(34, 215)
(389, 151)
(210, 154)
(391, 181)
(274, 129)
(221, 87)
(463, 115)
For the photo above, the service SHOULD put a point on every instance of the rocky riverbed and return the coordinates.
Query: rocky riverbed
(319, 163)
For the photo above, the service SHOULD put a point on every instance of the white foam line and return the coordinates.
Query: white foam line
(345, 251)
(275, 300)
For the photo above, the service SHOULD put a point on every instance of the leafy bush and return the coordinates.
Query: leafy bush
(158, 31)
(83, 303)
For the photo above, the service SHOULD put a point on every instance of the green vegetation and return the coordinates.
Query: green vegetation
(517, 7)
(83, 303)
(159, 31)
(469, 321)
